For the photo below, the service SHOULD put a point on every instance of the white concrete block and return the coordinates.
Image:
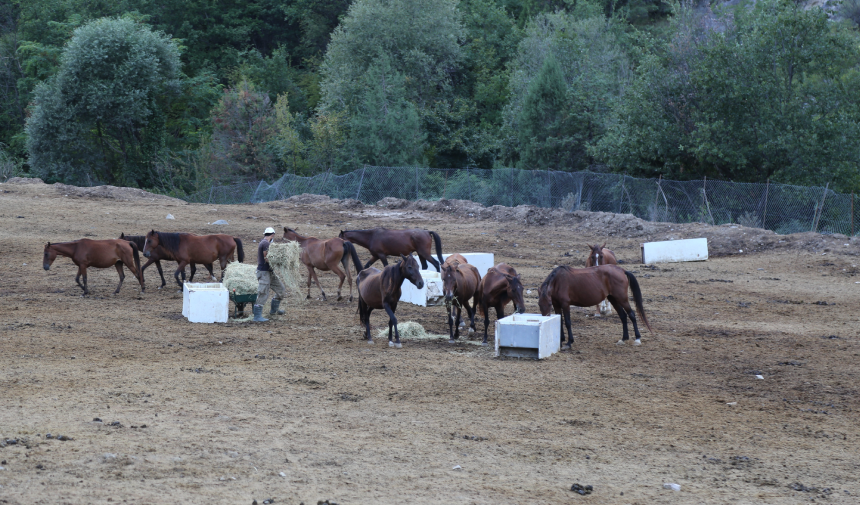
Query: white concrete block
(430, 294)
(528, 335)
(673, 251)
(205, 302)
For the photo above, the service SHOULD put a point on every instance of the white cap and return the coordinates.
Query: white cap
(269, 230)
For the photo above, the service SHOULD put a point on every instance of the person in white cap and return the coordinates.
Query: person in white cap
(267, 280)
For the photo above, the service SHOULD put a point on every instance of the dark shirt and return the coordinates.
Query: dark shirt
(262, 266)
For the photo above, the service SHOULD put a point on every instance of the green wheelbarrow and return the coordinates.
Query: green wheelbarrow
(240, 301)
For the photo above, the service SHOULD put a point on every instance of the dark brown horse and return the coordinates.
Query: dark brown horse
(584, 287)
(599, 255)
(381, 290)
(98, 254)
(188, 248)
(382, 242)
(500, 286)
(156, 255)
(325, 255)
(460, 282)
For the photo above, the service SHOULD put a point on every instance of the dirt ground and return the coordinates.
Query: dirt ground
(301, 410)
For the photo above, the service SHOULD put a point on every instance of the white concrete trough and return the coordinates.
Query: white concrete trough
(431, 293)
(205, 302)
(528, 335)
(673, 251)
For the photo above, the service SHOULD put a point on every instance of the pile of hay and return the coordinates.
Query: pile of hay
(241, 277)
(285, 260)
(408, 331)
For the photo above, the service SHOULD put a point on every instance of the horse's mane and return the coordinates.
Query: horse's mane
(552, 275)
(169, 241)
(138, 240)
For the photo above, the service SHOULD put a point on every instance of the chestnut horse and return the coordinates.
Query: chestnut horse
(500, 286)
(188, 248)
(156, 256)
(584, 287)
(601, 256)
(325, 255)
(98, 254)
(381, 290)
(382, 242)
(460, 282)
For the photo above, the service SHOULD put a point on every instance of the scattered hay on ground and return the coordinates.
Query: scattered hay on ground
(241, 278)
(409, 331)
(285, 260)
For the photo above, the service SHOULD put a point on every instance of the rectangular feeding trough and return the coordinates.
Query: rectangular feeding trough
(205, 302)
(528, 335)
(673, 251)
(431, 293)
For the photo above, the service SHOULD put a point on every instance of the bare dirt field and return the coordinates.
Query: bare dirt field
(300, 409)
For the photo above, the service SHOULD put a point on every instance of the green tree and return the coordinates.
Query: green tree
(101, 116)
(545, 136)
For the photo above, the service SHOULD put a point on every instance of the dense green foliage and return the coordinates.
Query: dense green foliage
(179, 95)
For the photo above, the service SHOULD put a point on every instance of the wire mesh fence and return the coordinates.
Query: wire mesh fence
(782, 208)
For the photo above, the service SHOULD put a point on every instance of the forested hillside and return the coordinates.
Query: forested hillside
(175, 96)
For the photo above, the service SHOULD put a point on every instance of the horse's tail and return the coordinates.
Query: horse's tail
(476, 299)
(438, 241)
(637, 297)
(350, 252)
(240, 251)
(136, 257)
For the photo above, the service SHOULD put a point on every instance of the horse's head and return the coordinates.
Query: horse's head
(449, 281)
(150, 243)
(410, 270)
(515, 292)
(596, 254)
(341, 234)
(544, 299)
(49, 257)
(290, 234)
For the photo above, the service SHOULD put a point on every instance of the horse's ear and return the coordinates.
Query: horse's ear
(604, 245)
(404, 257)
(122, 235)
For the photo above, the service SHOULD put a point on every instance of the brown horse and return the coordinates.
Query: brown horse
(583, 287)
(382, 243)
(188, 248)
(381, 290)
(98, 254)
(460, 282)
(500, 286)
(601, 256)
(156, 255)
(325, 255)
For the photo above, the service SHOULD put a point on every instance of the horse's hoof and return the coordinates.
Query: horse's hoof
(308, 297)
(390, 343)
(471, 330)
(339, 298)
(484, 343)
(370, 342)
(620, 342)
(451, 341)
(567, 346)
(398, 345)
(350, 298)
(637, 342)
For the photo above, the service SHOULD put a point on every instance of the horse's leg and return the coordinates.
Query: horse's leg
(566, 316)
(384, 259)
(314, 273)
(450, 324)
(486, 310)
(334, 268)
(160, 272)
(457, 322)
(349, 279)
(82, 271)
(223, 266)
(392, 321)
(622, 314)
(180, 268)
(118, 266)
(373, 258)
(630, 312)
(310, 280)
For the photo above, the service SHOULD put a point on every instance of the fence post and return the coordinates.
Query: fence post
(469, 178)
(820, 209)
(416, 182)
(512, 187)
(852, 214)
(213, 189)
(705, 197)
(764, 217)
(358, 193)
